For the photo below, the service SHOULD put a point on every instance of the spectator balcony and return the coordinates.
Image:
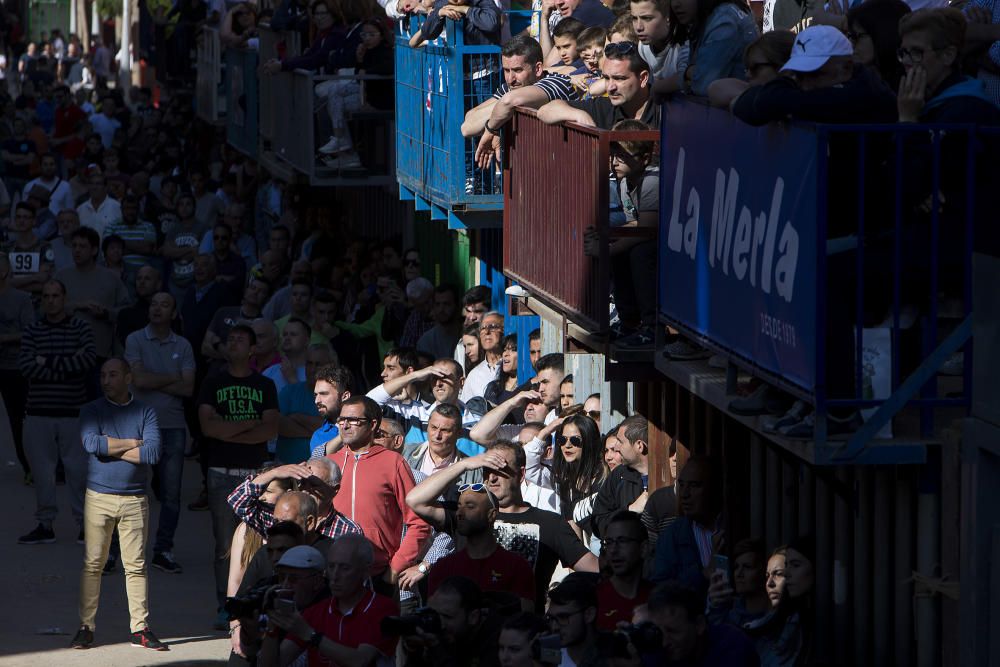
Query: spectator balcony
(278, 118)
(787, 248)
(209, 91)
(436, 84)
(556, 188)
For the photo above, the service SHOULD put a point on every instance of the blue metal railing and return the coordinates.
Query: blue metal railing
(795, 246)
(242, 100)
(436, 84)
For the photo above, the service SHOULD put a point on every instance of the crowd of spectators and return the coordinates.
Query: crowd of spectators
(386, 479)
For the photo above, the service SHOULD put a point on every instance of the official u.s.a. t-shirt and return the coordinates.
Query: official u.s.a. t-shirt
(237, 399)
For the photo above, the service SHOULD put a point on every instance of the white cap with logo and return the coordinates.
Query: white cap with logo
(814, 46)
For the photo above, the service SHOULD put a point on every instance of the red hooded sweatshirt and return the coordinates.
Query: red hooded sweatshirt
(373, 495)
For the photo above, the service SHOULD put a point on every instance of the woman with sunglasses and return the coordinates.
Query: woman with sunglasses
(578, 468)
(716, 32)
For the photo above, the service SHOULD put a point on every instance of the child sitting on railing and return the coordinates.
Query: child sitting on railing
(481, 24)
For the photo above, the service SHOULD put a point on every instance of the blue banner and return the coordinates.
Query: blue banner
(738, 237)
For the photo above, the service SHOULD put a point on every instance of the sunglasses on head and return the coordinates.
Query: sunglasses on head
(574, 440)
(619, 48)
(479, 488)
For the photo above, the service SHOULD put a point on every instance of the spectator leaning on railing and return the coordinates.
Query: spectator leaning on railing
(628, 83)
(324, 17)
(525, 84)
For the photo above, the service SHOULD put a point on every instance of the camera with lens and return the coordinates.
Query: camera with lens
(425, 619)
(252, 603)
(645, 637)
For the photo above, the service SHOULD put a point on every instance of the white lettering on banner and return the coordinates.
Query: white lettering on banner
(779, 330)
(732, 237)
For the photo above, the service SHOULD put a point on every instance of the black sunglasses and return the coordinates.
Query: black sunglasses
(574, 440)
(619, 48)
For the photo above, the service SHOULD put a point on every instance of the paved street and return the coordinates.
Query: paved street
(38, 615)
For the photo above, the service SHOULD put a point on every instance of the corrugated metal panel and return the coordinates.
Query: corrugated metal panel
(873, 525)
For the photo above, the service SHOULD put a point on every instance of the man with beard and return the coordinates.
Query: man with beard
(480, 557)
(332, 387)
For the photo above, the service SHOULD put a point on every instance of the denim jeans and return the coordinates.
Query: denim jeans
(224, 521)
(169, 470)
(47, 440)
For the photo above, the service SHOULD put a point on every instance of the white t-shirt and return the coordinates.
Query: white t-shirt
(60, 193)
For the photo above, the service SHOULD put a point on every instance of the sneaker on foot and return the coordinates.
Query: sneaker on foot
(335, 145)
(40, 535)
(346, 160)
(84, 638)
(146, 639)
(165, 561)
(794, 415)
(685, 350)
(641, 339)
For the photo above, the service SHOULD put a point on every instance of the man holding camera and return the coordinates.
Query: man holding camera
(452, 631)
(346, 629)
(122, 438)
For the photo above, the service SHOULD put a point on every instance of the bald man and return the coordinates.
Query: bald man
(121, 435)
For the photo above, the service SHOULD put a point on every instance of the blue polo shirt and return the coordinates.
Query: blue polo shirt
(323, 434)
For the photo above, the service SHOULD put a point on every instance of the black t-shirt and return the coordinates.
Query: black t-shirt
(237, 399)
(542, 538)
(605, 114)
(18, 147)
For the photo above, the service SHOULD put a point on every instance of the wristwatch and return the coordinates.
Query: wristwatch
(422, 568)
(315, 638)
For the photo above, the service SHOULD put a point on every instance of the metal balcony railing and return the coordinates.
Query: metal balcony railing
(274, 90)
(242, 96)
(436, 84)
(556, 188)
(209, 100)
(826, 259)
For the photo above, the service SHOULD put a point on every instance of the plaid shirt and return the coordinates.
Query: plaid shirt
(246, 503)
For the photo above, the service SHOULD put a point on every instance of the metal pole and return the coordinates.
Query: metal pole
(757, 483)
(125, 55)
(843, 520)
(823, 526)
(925, 606)
(772, 503)
(881, 593)
(902, 587)
(862, 612)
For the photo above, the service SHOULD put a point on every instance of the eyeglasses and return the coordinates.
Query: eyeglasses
(479, 488)
(914, 56)
(409, 262)
(380, 434)
(619, 48)
(355, 422)
(618, 542)
(562, 618)
(574, 440)
(594, 414)
(491, 327)
(855, 36)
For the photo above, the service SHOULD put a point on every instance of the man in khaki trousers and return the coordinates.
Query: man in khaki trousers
(122, 438)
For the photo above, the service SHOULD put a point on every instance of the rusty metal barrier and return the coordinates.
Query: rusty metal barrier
(555, 188)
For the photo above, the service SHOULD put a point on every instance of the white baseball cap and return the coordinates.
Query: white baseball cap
(814, 46)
